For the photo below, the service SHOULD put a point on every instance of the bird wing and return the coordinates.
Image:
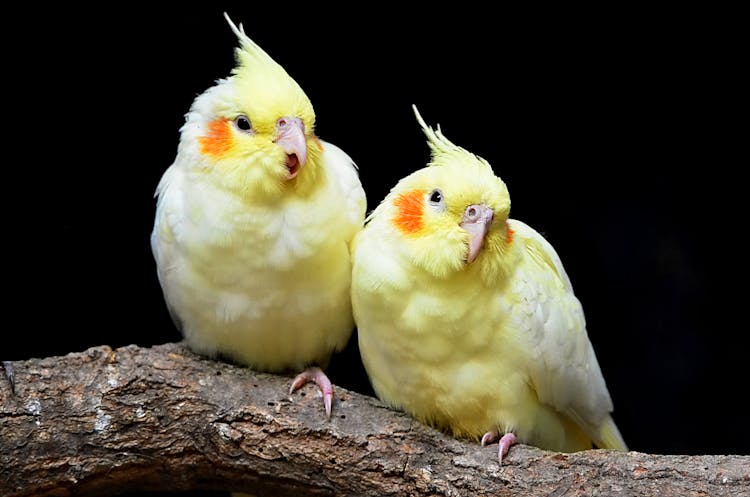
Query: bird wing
(163, 244)
(562, 367)
(344, 171)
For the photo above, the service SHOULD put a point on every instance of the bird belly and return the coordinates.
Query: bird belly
(265, 287)
(464, 396)
(459, 372)
(276, 322)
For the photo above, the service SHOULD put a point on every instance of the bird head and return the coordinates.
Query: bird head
(253, 131)
(450, 215)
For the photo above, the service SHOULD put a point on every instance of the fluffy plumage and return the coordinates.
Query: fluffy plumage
(467, 319)
(254, 222)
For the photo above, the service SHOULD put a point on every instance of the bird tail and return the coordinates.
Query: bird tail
(609, 436)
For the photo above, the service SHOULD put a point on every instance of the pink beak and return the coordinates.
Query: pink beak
(290, 136)
(476, 221)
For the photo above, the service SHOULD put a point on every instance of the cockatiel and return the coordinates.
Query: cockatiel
(467, 319)
(254, 223)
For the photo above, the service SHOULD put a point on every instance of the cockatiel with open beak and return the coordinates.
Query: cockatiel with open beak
(466, 318)
(254, 223)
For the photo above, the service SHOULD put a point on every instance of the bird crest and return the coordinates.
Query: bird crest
(264, 80)
(443, 151)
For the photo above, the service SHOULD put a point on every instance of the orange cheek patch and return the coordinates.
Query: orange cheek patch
(218, 141)
(410, 209)
(509, 233)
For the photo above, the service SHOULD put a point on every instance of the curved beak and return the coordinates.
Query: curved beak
(290, 136)
(476, 221)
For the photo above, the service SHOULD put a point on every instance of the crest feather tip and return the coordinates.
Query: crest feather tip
(438, 143)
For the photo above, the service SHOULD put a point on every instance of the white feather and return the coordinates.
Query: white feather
(244, 279)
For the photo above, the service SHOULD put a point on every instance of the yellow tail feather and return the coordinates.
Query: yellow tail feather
(609, 436)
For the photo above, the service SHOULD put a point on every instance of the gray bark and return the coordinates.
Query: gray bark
(105, 421)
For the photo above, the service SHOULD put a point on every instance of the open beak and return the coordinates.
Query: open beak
(476, 221)
(290, 136)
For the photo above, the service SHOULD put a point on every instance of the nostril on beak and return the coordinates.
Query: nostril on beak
(282, 122)
(478, 214)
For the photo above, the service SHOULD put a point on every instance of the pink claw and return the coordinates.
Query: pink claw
(504, 446)
(489, 437)
(317, 376)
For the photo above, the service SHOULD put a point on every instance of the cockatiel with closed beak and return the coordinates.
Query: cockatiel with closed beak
(254, 223)
(467, 319)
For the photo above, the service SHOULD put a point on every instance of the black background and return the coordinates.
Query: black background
(614, 131)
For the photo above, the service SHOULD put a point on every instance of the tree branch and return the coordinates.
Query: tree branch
(107, 421)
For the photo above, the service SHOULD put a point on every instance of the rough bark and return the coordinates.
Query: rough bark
(107, 421)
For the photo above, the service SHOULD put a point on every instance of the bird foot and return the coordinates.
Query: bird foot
(503, 446)
(317, 376)
(489, 437)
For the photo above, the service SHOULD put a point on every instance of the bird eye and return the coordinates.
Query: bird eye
(437, 201)
(243, 123)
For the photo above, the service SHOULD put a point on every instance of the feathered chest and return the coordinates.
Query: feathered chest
(427, 318)
(218, 229)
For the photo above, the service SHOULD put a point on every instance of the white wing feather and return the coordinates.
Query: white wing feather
(344, 170)
(563, 367)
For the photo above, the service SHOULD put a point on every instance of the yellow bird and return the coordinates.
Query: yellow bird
(254, 223)
(467, 319)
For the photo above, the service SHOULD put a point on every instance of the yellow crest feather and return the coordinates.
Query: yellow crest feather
(249, 53)
(265, 81)
(443, 151)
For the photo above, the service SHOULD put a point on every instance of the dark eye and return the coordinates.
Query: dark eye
(243, 123)
(436, 196)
